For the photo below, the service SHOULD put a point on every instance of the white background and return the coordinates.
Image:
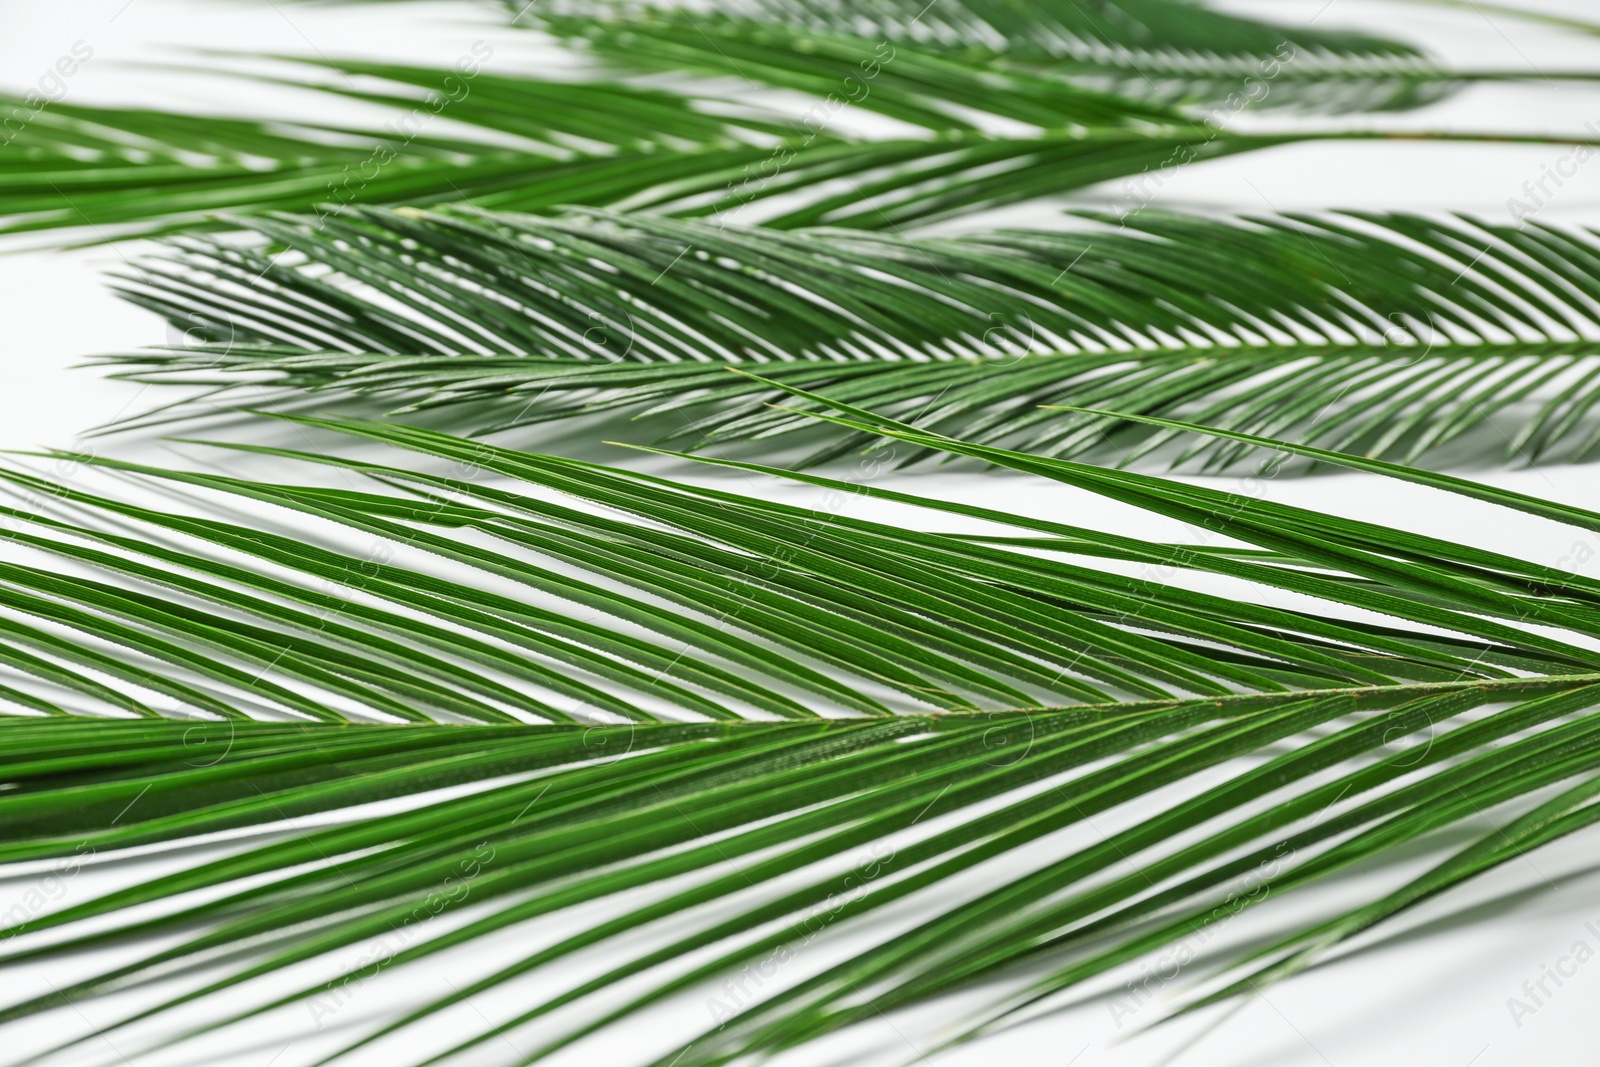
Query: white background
(1436, 997)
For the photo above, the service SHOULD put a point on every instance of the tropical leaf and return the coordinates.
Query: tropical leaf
(1166, 53)
(883, 70)
(532, 144)
(1417, 683)
(1396, 335)
(1033, 30)
(952, 657)
(784, 723)
(985, 134)
(117, 168)
(136, 183)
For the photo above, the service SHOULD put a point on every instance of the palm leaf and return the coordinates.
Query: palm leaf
(711, 166)
(581, 142)
(536, 144)
(884, 67)
(622, 680)
(964, 659)
(1392, 334)
(1394, 636)
(133, 170)
(1034, 30)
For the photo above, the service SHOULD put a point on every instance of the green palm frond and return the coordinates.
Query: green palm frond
(1397, 335)
(75, 166)
(941, 647)
(125, 171)
(1031, 30)
(1414, 684)
(699, 730)
(986, 132)
(872, 69)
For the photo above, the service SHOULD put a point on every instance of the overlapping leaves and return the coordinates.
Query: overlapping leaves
(765, 709)
(1375, 692)
(737, 611)
(874, 66)
(984, 131)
